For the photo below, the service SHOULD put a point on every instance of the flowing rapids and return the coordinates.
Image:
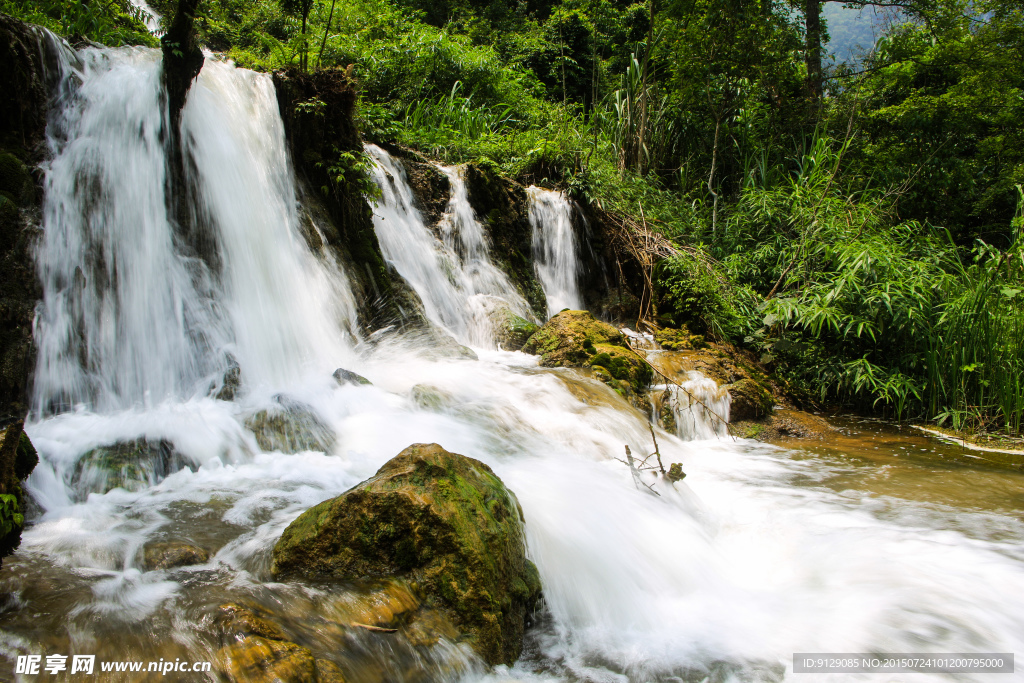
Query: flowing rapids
(760, 553)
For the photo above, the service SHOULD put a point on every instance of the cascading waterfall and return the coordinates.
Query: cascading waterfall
(555, 251)
(459, 285)
(127, 318)
(757, 555)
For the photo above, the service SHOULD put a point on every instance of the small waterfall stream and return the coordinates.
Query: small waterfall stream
(758, 554)
(555, 251)
(452, 273)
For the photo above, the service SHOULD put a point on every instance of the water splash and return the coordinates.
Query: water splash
(555, 252)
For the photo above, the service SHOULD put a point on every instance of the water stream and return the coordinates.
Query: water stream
(555, 252)
(762, 551)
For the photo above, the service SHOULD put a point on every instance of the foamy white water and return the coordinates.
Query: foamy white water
(721, 577)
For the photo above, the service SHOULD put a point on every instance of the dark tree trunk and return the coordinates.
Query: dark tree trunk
(813, 50)
(183, 59)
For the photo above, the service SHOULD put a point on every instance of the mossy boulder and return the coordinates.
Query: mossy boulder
(445, 522)
(750, 400)
(679, 339)
(511, 331)
(290, 427)
(577, 339)
(133, 465)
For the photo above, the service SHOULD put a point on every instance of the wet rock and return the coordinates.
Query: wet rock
(750, 400)
(258, 660)
(173, 554)
(17, 460)
(259, 651)
(290, 427)
(431, 398)
(343, 377)
(132, 465)
(679, 339)
(238, 621)
(577, 339)
(441, 520)
(231, 382)
(783, 424)
(511, 331)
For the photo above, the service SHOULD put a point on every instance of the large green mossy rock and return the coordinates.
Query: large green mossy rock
(576, 339)
(132, 465)
(444, 521)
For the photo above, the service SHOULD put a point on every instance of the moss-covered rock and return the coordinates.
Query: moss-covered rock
(679, 339)
(750, 400)
(511, 331)
(132, 465)
(577, 339)
(17, 459)
(173, 554)
(290, 427)
(443, 520)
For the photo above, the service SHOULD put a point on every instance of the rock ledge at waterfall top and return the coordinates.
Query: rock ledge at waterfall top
(575, 339)
(442, 521)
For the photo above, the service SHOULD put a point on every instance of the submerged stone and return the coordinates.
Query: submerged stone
(511, 331)
(173, 554)
(258, 651)
(291, 427)
(132, 465)
(343, 377)
(441, 520)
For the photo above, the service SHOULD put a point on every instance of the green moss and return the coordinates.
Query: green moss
(445, 522)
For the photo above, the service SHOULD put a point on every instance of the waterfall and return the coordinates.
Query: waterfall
(127, 317)
(699, 410)
(452, 272)
(149, 16)
(555, 252)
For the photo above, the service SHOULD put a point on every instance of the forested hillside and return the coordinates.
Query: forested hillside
(857, 226)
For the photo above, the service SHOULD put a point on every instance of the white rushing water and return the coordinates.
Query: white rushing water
(149, 16)
(451, 272)
(721, 577)
(555, 249)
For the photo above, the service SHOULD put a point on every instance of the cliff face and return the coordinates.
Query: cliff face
(318, 110)
(23, 107)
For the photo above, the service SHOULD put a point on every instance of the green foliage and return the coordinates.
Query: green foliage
(11, 518)
(109, 22)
